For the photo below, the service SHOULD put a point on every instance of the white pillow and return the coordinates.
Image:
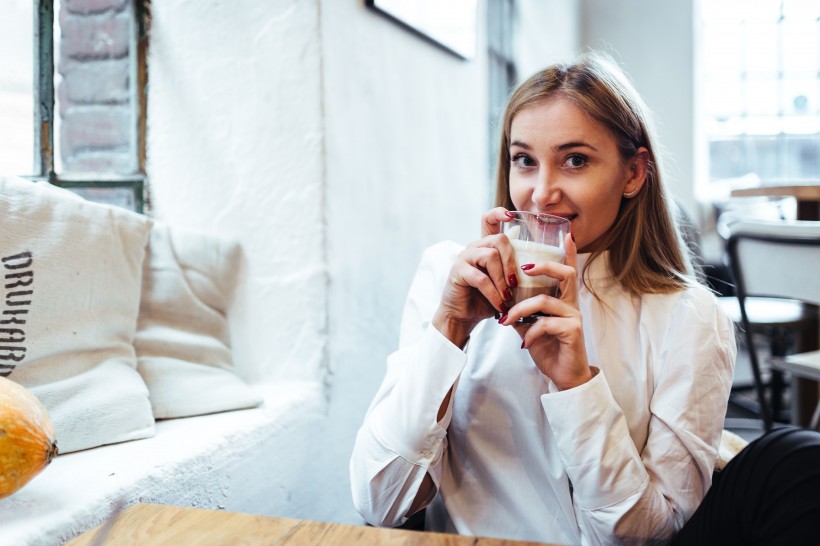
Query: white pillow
(71, 272)
(183, 339)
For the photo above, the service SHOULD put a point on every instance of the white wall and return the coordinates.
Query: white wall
(654, 41)
(406, 167)
(236, 145)
(547, 33)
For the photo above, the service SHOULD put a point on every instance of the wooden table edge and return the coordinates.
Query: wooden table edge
(137, 524)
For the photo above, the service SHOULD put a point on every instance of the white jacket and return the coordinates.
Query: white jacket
(624, 458)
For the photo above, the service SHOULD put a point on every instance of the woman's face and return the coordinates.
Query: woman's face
(563, 162)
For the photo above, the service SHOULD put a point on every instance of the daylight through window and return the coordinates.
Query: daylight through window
(761, 95)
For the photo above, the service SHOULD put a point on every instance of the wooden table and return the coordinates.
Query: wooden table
(155, 525)
(808, 197)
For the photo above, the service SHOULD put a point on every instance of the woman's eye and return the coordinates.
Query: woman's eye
(522, 160)
(575, 161)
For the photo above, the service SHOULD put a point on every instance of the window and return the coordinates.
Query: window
(501, 69)
(761, 93)
(73, 92)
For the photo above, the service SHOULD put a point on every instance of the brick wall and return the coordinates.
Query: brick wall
(96, 102)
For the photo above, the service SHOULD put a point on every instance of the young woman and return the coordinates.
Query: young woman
(598, 423)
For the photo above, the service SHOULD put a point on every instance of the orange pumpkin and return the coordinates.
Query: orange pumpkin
(27, 443)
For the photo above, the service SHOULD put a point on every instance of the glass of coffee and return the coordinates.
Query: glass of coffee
(536, 238)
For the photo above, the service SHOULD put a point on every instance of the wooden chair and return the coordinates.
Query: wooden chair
(778, 260)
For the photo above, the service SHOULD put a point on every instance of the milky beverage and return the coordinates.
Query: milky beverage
(532, 252)
(529, 252)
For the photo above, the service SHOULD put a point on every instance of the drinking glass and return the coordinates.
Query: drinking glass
(536, 238)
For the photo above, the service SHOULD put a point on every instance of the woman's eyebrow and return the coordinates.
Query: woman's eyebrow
(520, 144)
(558, 147)
(568, 145)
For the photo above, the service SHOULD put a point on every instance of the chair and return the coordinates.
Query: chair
(784, 323)
(776, 319)
(779, 260)
(739, 209)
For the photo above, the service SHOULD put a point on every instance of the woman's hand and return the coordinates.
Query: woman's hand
(480, 282)
(556, 341)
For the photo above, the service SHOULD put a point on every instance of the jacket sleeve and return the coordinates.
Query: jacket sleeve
(401, 440)
(627, 495)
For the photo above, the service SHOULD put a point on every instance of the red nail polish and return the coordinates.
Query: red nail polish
(522, 344)
(508, 294)
(513, 280)
(527, 267)
(504, 308)
(503, 318)
(571, 234)
(509, 214)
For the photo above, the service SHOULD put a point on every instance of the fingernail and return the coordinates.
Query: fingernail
(509, 214)
(527, 267)
(503, 318)
(504, 307)
(513, 280)
(522, 344)
(508, 294)
(571, 234)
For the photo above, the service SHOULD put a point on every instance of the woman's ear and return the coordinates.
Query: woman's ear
(638, 168)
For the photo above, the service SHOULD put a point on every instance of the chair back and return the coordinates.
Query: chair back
(740, 209)
(778, 259)
(775, 259)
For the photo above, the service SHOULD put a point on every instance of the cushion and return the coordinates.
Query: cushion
(183, 340)
(730, 445)
(71, 272)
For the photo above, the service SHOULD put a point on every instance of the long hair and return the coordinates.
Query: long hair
(646, 251)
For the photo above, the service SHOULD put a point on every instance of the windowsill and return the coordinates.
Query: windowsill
(248, 461)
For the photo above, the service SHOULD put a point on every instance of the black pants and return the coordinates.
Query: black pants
(768, 494)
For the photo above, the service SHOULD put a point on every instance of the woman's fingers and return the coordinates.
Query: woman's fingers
(564, 329)
(564, 274)
(541, 305)
(554, 270)
(571, 250)
(492, 220)
(481, 282)
(506, 255)
(485, 270)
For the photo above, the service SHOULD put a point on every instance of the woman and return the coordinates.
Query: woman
(598, 423)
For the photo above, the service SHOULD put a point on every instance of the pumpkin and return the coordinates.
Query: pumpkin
(27, 443)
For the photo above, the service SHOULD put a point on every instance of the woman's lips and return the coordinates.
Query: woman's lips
(568, 215)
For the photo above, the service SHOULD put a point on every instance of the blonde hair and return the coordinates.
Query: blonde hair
(646, 252)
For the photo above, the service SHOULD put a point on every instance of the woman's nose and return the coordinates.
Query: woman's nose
(546, 191)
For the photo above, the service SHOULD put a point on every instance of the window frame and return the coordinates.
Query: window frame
(44, 114)
(502, 72)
